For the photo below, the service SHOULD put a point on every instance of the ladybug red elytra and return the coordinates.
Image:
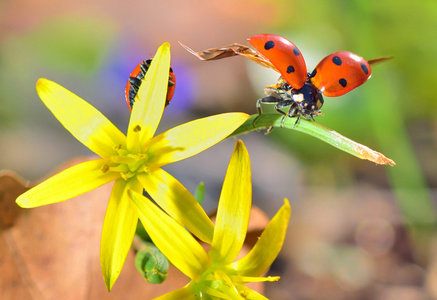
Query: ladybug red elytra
(335, 75)
(137, 76)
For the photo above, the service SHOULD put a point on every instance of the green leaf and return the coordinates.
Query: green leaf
(316, 130)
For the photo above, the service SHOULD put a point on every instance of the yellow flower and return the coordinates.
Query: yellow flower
(133, 161)
(214, 274)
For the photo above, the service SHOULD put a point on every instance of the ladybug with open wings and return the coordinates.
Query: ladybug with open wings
(335, 75)
(136, 78)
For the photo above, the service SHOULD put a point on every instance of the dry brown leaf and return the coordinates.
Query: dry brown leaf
(229, 51)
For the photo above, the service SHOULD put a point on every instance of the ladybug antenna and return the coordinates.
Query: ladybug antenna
(378, 60)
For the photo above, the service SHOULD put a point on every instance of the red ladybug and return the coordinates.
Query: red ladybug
(335, 75)
(137, 76)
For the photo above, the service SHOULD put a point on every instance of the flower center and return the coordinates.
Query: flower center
(127, 164)
(216, 282)
(223, 283)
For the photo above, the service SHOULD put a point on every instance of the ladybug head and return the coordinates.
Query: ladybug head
(309, 99)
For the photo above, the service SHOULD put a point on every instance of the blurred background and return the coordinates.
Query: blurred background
(358, 230)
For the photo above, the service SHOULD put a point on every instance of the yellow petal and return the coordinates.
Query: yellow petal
(178, 202)
(118, 230)
(247, 279)
(185, 293)
(83, 121)
(193, 137)
(267, 248)
(233, 208)
(150, 101)
(250, 294)
(67, 184)
(176, 243)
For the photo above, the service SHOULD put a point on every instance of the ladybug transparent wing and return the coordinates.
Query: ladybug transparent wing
(284, 55)
(229, 51)
(340, 72)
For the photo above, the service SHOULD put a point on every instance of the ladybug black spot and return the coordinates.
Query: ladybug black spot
(337, 60)
(296, 51)
(269, 45)
(290, 69)
(343, 82)
(363, 66)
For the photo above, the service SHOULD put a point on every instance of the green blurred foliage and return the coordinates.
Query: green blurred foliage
(199, 194)
(73, 46)
(404, 30)
(377, 114)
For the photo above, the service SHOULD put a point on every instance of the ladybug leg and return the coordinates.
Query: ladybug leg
(297, 121)
(291, 111)
(135, 83)
(312, 117)
(145, 66)
(313, 114)
(294, 111)
(269, 99)
(282, 104)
